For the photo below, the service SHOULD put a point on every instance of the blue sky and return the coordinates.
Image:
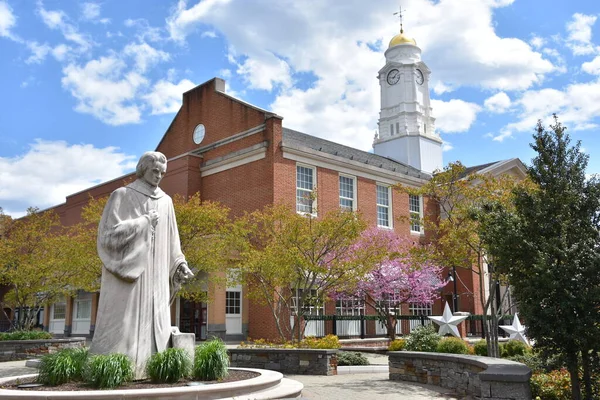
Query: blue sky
(87, 87)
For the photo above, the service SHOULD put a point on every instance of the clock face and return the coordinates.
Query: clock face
(393, 77)
(419, 78)
(199, 134)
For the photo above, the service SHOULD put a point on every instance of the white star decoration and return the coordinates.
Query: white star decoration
(448, 322)
(516, 330)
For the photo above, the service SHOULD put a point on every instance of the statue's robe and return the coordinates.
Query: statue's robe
(139, 266)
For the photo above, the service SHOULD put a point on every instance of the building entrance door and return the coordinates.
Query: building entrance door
(192, 318)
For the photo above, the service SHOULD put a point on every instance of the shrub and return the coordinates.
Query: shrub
(351, 358)
(397, 345)
(555, 385)
(169, 366)
(327, 342)
(480, 348)
(423, 338)
(62, 367)
(515, 348)
(211, 361)
(452, 345)
(25, 335)
(532, 360)
(108, 371)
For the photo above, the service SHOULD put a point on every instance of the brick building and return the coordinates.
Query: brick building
(245, 158)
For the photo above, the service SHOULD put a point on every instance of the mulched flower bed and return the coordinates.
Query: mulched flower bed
(234, 376)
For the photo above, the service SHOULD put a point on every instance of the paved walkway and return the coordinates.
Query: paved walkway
(375, 386)
(367, 386)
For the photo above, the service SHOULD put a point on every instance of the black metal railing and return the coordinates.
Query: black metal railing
(362, 326)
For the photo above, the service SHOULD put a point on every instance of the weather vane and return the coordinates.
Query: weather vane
(399, 14)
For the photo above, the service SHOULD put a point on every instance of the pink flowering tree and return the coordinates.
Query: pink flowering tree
(402, 277)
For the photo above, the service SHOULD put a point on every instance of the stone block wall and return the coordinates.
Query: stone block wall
(483, 377)
(11, 350)
(287, 361)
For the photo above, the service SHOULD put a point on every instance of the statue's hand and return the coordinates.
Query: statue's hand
(153, 214)
(184, 272)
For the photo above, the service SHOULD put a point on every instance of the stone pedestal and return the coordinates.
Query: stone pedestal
(186, 341)
(462, 327)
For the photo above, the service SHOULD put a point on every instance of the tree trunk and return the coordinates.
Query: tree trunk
(587, 375)
(572, 366)
(391, 326)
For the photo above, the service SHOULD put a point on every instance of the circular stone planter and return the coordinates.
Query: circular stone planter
(269, 385)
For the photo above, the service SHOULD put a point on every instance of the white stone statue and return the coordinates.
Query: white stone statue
(138, 243)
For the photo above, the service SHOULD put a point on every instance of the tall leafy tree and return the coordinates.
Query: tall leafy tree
(39, 260)
(205, 235)
(454, 226)
(291, 262)
(548, 246)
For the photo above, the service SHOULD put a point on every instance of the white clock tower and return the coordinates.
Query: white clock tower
(406, 124)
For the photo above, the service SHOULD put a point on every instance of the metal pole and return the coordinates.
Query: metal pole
(454, 295)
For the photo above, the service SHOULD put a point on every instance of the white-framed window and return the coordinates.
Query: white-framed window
(313, 303)
(350, 306)
(306, 182)
(420, 309)
(233, 302)
(59, 311)
(384, 200)
(347, 193)
(84, 309)
(415, 205)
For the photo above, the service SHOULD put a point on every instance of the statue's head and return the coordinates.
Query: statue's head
(152, 167)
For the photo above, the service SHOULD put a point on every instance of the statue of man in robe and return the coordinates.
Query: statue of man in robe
(138, 243)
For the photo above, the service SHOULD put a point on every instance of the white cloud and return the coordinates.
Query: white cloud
(224, 73)
(60, 52)
(209, 34)
(38, 52)
(265, 72)
(498, 103)
(592, 67)
(105, 90)
(455, 115)
(90, 11)
(145, 32)
(52, 19)
(166, 96)
(51, 170)
(7, 20)
(183, 20)
(577, 106)
(440, 88)
(58, 19)
(145, 55)
(579, 29)
(446, 146)
(537, 42)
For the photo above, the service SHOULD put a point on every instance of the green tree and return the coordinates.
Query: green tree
(292, 262)
(38, 264)
(548, 246)
(453, 229)
(205, 235)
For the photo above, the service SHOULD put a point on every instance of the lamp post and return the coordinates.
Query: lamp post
(452, 278)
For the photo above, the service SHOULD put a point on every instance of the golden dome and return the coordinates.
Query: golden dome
(401, 38)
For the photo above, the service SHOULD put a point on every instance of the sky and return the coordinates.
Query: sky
(87, 87)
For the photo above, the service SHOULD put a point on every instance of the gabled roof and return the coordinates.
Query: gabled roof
(513, 165)
(476, 168)
(298, 140)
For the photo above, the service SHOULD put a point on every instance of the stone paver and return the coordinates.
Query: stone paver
(365, 387)
(15, 368)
